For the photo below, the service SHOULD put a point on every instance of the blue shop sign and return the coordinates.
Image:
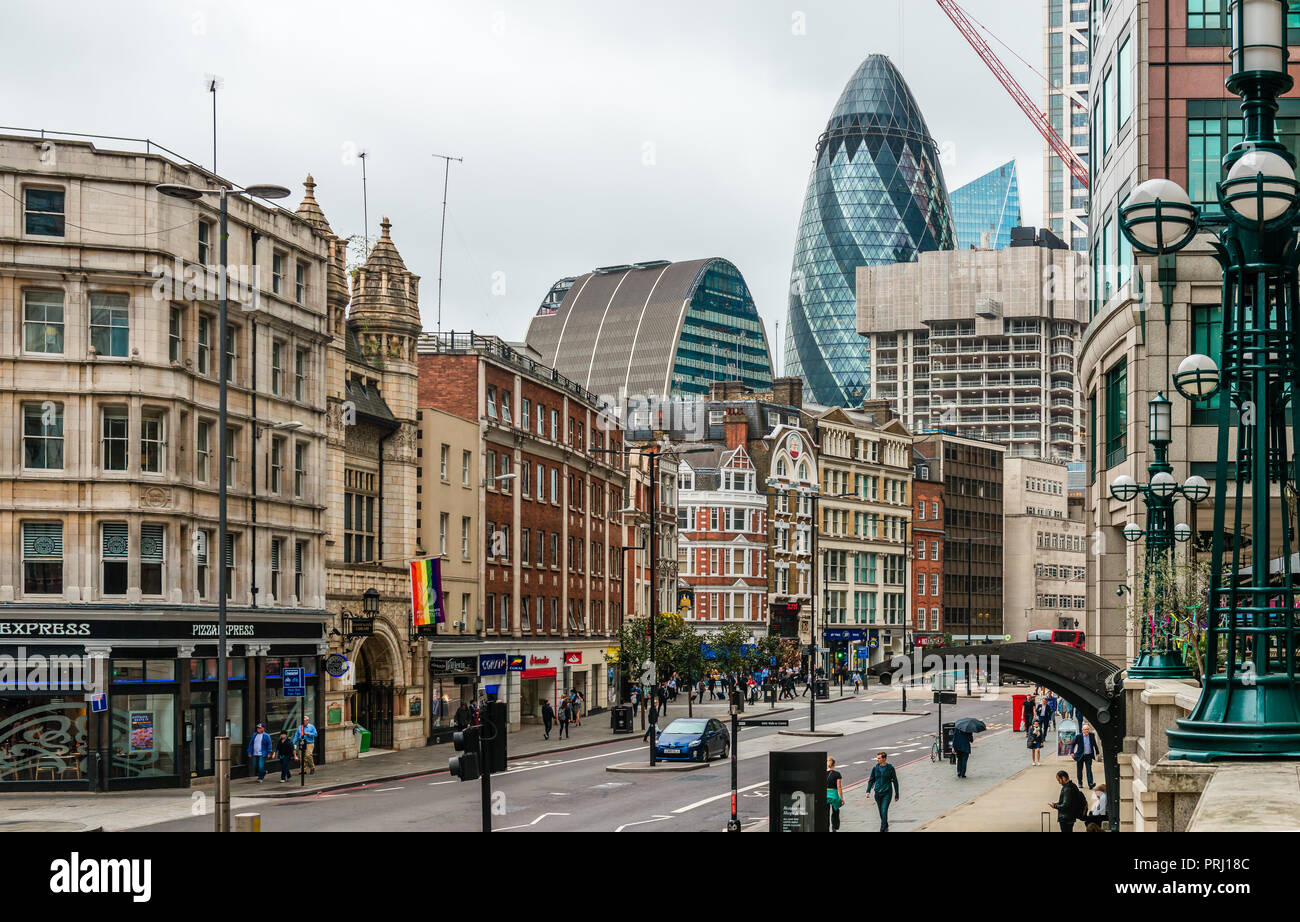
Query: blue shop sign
(845, 635)
(491, 664)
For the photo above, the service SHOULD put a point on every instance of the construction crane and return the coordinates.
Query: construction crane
(1054, 140)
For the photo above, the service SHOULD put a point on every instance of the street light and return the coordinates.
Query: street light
(221, 742)
(1249, 706)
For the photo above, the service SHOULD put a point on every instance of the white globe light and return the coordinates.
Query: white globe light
(1182, 532)
(1164, 485)
(1275, 198)
(1196, 489)
(1197, 377)
(1123, 488)
(1165, 228)
(1132, 532)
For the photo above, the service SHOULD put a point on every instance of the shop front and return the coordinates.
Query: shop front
(141, 710)
(452, 682)
(539, 682)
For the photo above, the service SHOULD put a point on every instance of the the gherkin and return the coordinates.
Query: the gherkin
(876, 195)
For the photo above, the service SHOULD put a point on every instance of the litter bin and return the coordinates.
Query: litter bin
(769, 693)
(822, 688)
(948, 729)
(620, 718)
(365, 739)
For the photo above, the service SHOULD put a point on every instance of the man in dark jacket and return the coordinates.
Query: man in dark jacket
(1084, 750)
(284, 749)
(548, 718)
(650, 725)
(883, 784)
(1071, 805)
(1027, 713)
(961, 741)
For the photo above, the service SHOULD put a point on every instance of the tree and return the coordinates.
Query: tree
(686, 653)
(1180, 588)
(671, 643)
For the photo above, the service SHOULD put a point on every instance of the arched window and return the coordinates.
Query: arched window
(803, 472)
(780, 467)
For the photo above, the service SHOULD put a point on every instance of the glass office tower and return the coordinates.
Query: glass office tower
(876, 195)
(985, 209)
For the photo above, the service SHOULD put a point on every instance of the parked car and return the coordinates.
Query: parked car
(697, 738)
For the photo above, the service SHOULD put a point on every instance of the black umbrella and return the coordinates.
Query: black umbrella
(970, 725)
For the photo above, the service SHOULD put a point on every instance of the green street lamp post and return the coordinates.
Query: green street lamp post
(1249, 705)
(1156, 658)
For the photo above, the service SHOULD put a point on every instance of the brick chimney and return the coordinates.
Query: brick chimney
(728, 390)
(880, 410)
(735, 428)
(788, 391)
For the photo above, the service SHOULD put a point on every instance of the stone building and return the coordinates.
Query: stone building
(374, 321)
(1044, 553)
(864, 509)
(109, 365)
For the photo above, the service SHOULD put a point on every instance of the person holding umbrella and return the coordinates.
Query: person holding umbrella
(963, 734)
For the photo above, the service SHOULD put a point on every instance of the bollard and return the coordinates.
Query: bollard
(248, 822)
(221, 764)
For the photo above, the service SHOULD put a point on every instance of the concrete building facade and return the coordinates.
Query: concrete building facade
(1066, 56)
(981, 343)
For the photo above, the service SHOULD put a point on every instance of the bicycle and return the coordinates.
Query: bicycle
(936, 748)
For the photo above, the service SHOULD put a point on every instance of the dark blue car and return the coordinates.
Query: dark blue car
(698, 738)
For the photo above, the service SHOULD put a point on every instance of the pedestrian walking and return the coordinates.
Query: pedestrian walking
(654, 719)
(576, 700)
(548, 718)
(284, 749)
(1041, 713)
(1035, 742)
(260, 748)
(834, 792)
(304, 740)
(1027, 713)
(1071, 805)
(1083, 750)
(1052, 704)
(883, 785)
(566, 715)
(961, 744)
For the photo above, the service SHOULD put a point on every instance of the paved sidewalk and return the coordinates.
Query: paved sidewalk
(1015, 805)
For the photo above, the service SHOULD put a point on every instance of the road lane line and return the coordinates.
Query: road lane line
(709, 800)
(604, 755)
(533, 823)
(657, 819)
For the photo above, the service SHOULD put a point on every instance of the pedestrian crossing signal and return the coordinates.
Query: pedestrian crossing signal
(465, 766)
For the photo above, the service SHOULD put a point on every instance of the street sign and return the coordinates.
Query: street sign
(295, 685)
(797, 781)
(945, 697)
(765, 723)
(336, 664)
(98, 703)
(1006, 637)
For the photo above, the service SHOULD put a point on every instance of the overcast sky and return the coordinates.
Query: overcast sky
(593, 132)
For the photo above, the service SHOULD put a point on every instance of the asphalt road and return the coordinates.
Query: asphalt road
(572, 791)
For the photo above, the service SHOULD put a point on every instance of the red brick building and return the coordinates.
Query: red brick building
(927, 558)
(550, 584)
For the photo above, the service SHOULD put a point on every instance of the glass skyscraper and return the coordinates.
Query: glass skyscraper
(985, 209)
(876, 195)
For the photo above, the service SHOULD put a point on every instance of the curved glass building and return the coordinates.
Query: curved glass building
(876, 195)
(655, 329)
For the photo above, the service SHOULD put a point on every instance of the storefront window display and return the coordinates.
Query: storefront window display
(42, 739)
(144, 735)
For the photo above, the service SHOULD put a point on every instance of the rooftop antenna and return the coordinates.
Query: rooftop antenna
(365, 208)
(442, 236)
(212, 83)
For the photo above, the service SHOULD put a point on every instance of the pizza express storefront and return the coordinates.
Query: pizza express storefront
(111, 703)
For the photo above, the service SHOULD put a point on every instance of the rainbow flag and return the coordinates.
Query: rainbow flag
(426, 592)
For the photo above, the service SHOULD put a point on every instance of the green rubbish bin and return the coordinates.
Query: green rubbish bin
(365, 739)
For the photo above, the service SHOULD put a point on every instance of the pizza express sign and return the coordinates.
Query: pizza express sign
(170, 629)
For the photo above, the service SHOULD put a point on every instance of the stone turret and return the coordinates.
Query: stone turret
(336, 282)
(385, 312)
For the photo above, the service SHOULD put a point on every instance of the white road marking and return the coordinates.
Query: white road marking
(533, 823)
(709, 800)
(657, 818)
(605, 755)
(452, 781)
(559, 793)
(382, 790)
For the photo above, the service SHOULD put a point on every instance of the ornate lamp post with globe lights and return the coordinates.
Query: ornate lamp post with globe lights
(1249, 706)
(1156, 657)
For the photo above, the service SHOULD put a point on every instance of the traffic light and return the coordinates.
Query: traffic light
(465, 767)
(494, 736)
